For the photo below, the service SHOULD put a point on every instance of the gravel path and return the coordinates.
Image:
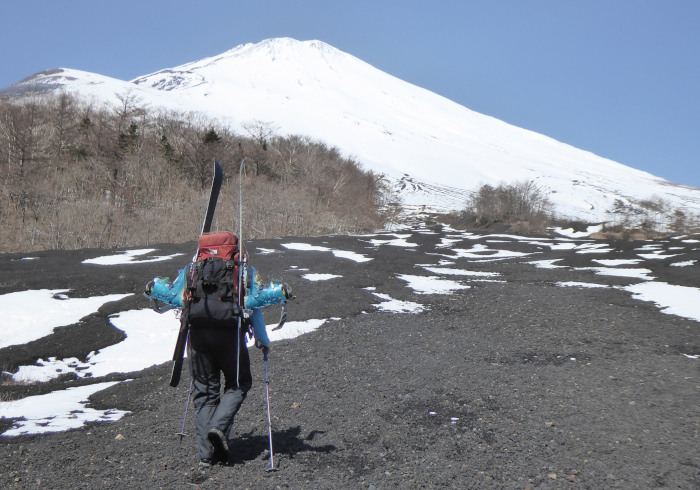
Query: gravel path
(518, 383)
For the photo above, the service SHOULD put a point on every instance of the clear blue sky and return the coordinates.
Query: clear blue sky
(619, 78)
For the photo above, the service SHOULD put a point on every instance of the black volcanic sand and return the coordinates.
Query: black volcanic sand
(554, 387)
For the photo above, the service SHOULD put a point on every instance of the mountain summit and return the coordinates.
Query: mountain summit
(436, 150)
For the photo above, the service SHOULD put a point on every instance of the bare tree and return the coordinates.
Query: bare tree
(260, 132)
(129, 106)
(63, 122)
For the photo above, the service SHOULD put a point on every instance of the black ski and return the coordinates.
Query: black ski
(179, 353)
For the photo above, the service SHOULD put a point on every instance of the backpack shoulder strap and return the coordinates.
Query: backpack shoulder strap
(195, 280)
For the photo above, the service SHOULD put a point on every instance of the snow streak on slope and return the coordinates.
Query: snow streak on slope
(390, 126)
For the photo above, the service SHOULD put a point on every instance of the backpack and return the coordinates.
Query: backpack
(213, 296)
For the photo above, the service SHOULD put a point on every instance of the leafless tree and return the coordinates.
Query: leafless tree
(123, 174)
(261, 132)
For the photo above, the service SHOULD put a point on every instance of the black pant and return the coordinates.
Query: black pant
(214, 351)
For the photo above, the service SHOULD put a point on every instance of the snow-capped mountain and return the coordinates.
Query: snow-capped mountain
(435, 150)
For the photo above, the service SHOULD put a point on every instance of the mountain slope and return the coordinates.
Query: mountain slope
(441, 148)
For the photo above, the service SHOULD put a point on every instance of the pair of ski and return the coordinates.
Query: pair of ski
(179, 354)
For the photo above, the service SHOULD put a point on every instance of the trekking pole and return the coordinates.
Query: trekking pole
(269, 421)
(240, 199)
(241, 263)
(184, 416)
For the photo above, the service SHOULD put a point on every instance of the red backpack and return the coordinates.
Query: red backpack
(213, 297)
(222, 244)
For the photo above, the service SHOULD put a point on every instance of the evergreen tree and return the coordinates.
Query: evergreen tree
(210, 137)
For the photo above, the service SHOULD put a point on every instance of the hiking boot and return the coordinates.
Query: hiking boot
(218, 440)
(206, 463)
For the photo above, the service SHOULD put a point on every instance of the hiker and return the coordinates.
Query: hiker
(217, 322)
(212, 351)
(221, 299)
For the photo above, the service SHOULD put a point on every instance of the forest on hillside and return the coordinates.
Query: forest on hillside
(79, 174)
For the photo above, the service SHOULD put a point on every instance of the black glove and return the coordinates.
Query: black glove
(265, 348)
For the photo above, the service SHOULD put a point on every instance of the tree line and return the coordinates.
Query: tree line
(79, 174)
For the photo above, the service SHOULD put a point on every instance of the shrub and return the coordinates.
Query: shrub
(522, 205)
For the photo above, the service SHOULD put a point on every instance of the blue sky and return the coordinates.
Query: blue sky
(618, 78)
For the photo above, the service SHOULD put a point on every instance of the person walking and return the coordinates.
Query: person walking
(221, 299)
(213, 352)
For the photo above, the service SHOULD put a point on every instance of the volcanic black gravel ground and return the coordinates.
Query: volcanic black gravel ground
(516, 384)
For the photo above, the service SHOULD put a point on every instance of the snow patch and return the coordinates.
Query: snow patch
(266, 251)
(674, 300)
(129, 257)
(657, 255)
(614, 262)
(577, 234)
(397, 306)
(480, 252)
(610, 271)
(458, 272)
(57, 411)
(431, 284)
(290, 330)
(319, 277)
(31, 315)
(580, 284)
(149, 341)
(685, 263)
(593, 248)
(397, 241)
(547, 264)
(338, 253)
